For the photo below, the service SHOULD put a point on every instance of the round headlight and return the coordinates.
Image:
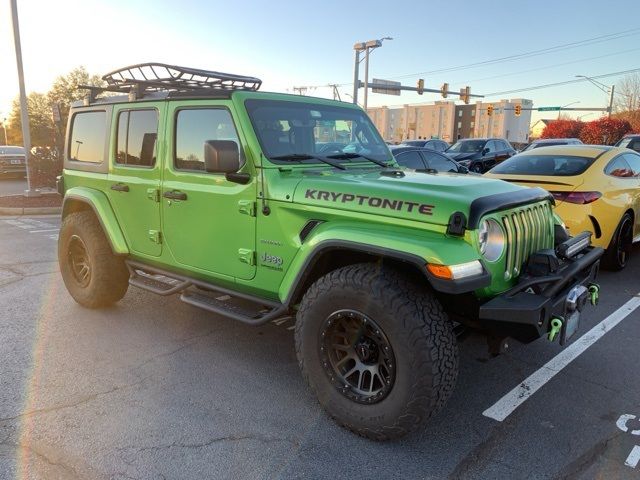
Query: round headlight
(491, 240)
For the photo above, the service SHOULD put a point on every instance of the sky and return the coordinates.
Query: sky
(289, 44)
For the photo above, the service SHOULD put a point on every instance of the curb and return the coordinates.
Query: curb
(30, 211)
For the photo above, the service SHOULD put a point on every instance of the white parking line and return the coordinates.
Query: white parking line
(634, 457)
(516, 397)
(43, 231)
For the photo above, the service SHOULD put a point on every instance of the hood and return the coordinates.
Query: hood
(424, 197)
(462, 156)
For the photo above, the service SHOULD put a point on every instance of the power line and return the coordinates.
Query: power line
(557, 84)
(580, 43)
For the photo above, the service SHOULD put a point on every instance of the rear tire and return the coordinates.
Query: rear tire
(366, 318)
(617, 255)
(93, 275)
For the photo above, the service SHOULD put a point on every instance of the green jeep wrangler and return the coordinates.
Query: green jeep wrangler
(261, 205)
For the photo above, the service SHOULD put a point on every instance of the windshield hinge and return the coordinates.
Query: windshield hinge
(247, 207)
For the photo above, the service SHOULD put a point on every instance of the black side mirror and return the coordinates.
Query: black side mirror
(462, 169)
(221, 156)
(485, 151)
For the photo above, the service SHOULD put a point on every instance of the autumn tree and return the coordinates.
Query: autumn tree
(562, 129)
(40, 121)
(604, 131)
(63, 92)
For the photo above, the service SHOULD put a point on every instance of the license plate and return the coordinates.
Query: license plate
(570, 327)
(16, 162)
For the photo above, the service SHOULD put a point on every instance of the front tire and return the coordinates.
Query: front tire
(619, 250)
(93, 275)
(377, 350)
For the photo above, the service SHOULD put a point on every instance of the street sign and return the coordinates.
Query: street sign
(386, 91)
(549, 109)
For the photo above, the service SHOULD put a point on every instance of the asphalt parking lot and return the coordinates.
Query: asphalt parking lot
(12, 186)
(156, 389)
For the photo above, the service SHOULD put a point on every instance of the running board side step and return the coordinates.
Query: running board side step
(238, 306)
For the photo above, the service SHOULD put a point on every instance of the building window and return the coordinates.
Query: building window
(473, 124)
(473, 112)
(459, 113)
(459, 124)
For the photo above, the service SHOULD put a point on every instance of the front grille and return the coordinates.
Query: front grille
(528, 230)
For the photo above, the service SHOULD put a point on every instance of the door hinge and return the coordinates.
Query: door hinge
(247, 207)
(155, 236)
(247, 256)
(153, 194)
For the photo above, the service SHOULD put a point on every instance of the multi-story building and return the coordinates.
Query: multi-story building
(504, 123)
(449, 121)
(415, 121)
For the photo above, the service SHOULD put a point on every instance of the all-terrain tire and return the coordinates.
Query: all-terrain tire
(617, 254)
(419, 334)
(107, 278)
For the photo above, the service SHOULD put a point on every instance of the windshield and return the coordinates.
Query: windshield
(289, 130)
(544, 165)
(466, 146)
(11, 150)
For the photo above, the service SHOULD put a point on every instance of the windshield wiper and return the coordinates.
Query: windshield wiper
(357, 155)
(306, 156)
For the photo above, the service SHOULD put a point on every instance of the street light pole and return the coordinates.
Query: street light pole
(24, 113)
(611, 100)
(365, 47)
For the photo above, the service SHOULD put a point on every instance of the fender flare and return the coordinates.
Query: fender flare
(99, 204)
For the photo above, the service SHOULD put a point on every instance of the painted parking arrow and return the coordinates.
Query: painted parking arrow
(622, 423)
(634, 457)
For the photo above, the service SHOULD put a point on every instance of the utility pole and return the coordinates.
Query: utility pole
(611, 100)
(24, 113)
(356, 71)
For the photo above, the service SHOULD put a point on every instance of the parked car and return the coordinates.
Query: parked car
(630, 141)
(425, 159)
(243, 218)
(551, 142)
(596, 188)
(480, 154)
(432, 144)
(12, 161)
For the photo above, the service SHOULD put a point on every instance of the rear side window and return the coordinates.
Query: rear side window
(618, 167)
(193, 128)
(634, 163)
(410, 160)
(545, 165)
(137, 134)
(88, 134)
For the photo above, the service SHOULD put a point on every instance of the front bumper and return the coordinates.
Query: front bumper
(524, 312)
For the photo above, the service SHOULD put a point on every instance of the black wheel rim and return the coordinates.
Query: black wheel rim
(357, 356)
(79, 261)
(625, 237)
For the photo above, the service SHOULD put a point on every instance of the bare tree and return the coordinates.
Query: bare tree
(628, 94)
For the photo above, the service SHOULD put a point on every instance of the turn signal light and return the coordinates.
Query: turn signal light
(581, 198)
(455, 272)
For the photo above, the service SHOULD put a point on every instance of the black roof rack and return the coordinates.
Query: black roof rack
(136, 80)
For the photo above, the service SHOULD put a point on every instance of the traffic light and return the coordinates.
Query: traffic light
(420, 86)
(490, 110)
(444, 90)
(465, 94)
(518, 110)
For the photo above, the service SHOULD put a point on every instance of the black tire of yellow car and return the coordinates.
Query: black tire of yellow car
(617, 254)
(411, 322)
(93, 275)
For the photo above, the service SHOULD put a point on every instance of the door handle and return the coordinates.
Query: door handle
(175, 195)
(119, 187)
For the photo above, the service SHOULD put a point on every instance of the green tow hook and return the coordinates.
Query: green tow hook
(556, 326)
(594, 293)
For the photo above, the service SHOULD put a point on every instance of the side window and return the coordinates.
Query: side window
(634, 145)
(504, 146)
(618, 167)
(410, 159)
(88, 135)
(634, 163)
(193, 128)
(491, 146)
(440, 162)
(137, 134)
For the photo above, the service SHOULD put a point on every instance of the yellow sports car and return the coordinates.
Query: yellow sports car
(596, 188)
